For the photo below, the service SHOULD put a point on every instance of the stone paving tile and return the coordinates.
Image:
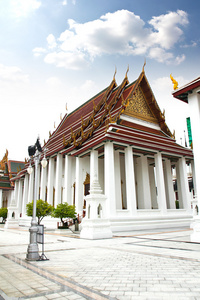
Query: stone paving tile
(120, 268)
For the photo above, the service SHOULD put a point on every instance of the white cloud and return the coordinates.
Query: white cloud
(12, 74)
(69, 60)
(179, 59)
(39, 51)
(21, 8)
(64, 2)
(121, 32)
(51, 41)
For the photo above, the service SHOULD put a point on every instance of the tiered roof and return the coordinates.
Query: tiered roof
(8, 170)
(115, 114)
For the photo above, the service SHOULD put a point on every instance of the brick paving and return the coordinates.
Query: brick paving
(154, 264)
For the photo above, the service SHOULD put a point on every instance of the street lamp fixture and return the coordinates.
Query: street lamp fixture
(34, 153)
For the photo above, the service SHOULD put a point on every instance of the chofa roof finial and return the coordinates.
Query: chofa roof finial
(144, 65)
(127, 71)
(115, 73)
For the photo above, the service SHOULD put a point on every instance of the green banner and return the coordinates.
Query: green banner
(189, 131)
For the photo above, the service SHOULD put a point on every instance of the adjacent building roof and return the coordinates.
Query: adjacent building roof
(183, 92)
(8, 170)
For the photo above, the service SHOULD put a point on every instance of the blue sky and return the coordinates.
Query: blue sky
(56, 52)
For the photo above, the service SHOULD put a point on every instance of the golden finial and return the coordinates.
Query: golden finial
(61, 116)
(44, 142)
(144, 65)
(115, 73)
(173, 135)
(174, 82)
(127, 71)
(94, 106)
(49, 133)
(66, 106)
(54, 124)
(163, 113)
(82, 132)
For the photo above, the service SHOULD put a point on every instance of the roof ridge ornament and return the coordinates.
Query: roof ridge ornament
(144, 65)
(174, 82)
(115, 73)
(127, 71)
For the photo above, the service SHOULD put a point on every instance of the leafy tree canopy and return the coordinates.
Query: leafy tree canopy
(3, 213)
(43, 209)
(63, 211)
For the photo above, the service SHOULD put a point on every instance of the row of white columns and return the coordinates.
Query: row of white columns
(146, 198)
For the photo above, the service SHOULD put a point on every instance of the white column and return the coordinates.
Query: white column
(109, 178)
(194, 177)
(43, 183)
(194, 104)
(169, 189)
(25, 195)
(19, 197)
(184, 187)
(152, 181)
(38, 182)
(58, 184)
(118, 180)
(94, 167)
(161, 197)
(50, 181)
(30, 186)
(1, 198)
(143, 183)
(79, 186)
(130, 181)
(68, 180)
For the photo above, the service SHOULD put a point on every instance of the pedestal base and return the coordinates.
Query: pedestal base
(11, 224)
(94, 229)
(195, 236)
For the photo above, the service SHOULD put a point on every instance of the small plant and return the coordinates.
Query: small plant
(43, 209)
(3, 214)
(63, 211)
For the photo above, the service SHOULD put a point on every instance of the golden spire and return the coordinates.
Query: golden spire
(174, 82)
(61, 116)
(127, 71)
(144, 65)
(115, 73)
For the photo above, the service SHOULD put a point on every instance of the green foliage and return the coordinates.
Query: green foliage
(43, 209)
(63, 211)
(3, 213)
(177, 204)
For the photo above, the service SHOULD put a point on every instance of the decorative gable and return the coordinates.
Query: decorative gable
(139, 108)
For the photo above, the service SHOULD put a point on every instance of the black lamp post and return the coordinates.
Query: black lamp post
(34, 153)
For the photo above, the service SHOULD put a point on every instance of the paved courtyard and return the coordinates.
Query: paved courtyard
(146, 264)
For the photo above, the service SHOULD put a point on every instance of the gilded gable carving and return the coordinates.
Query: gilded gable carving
(139, 108)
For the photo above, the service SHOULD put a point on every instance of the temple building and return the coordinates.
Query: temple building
(120, 140)
(8, 170)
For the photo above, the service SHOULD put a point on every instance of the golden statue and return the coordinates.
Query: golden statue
(174, 82)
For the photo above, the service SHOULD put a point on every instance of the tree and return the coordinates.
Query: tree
(63, 211)
(43, 209)
(3, 213)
